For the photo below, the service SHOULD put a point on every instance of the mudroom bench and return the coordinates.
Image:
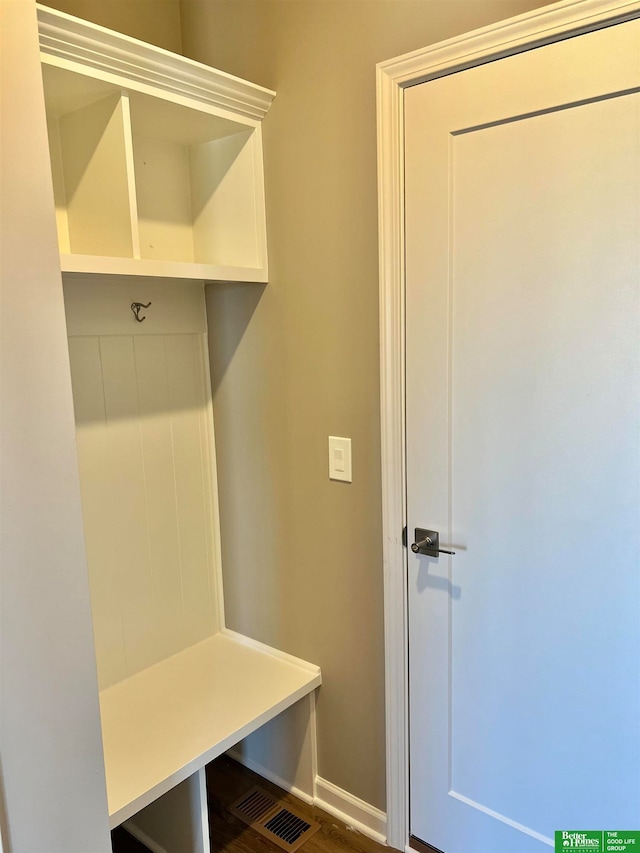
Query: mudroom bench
(157, 174)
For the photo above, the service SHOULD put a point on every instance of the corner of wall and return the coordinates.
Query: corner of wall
(285, 752)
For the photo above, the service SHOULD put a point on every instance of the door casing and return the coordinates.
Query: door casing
(533, 29)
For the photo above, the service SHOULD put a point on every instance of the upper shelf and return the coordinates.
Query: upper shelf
(156, 159)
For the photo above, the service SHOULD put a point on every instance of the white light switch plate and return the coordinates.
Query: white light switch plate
(339, 458)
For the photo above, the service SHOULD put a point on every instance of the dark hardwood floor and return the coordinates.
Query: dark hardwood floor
(226, 781)
(122, 842)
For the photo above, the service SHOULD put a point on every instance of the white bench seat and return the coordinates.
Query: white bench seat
(163, 724)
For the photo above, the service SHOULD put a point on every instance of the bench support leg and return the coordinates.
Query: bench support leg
(177, 822)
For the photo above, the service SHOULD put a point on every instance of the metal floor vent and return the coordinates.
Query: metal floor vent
(273, 819)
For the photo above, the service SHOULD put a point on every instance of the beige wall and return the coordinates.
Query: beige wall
(153, 21)
(298, 360)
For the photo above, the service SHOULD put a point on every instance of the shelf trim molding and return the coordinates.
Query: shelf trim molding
(71, 39)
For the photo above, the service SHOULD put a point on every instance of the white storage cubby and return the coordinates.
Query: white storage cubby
(195, 182)
(87, 120)
(157, 174)
(158, 165)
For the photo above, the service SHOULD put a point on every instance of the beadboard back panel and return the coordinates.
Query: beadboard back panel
(145, 448)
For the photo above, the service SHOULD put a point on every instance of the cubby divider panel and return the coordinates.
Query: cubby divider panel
(92, 178)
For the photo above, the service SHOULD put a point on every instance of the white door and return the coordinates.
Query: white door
(523, 432)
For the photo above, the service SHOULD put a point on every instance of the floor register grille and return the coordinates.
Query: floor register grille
(273, 819)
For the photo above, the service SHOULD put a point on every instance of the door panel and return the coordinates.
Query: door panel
(523, 428)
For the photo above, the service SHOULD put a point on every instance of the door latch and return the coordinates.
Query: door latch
(428, 542)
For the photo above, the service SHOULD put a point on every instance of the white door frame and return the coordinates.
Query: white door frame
(541, 26)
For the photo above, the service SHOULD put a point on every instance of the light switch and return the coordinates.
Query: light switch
(339, 458)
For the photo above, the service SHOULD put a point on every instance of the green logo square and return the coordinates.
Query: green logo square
(600, 841)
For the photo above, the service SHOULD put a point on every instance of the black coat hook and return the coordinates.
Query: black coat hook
(135, 307)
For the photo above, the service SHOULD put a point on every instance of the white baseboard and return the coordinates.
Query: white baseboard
(351, 810)
(341, 804)
(267, 774)
(142, 837)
